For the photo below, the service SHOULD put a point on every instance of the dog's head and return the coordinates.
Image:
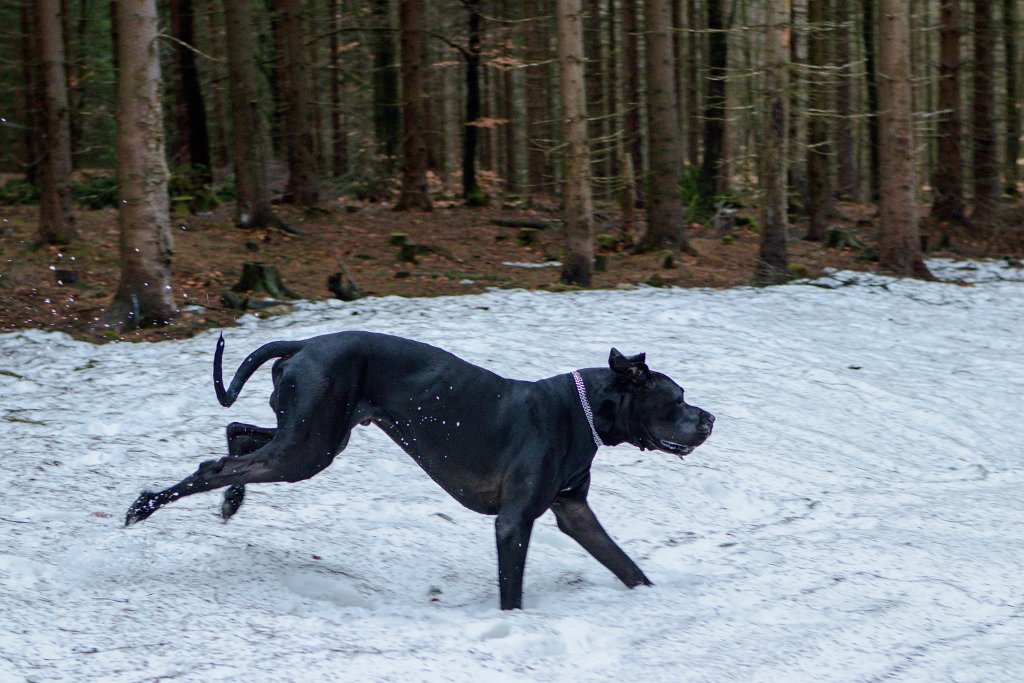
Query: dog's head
(658, 417)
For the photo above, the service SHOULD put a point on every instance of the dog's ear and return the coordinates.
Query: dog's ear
(631, 367)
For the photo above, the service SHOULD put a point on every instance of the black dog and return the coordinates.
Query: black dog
(501, 447)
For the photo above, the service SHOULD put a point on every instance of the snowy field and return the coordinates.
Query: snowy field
(858, 514)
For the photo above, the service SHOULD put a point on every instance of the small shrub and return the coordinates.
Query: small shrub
(608, 242)
(95, 192)
(478, 198)
(18, 191)
(189, 190)
(226, 192)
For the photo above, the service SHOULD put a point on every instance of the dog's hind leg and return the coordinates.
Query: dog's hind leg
(284, 459)
(242, 440)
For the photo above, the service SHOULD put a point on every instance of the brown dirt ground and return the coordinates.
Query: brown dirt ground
(209, 252)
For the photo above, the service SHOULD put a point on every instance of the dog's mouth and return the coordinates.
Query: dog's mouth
(677, 449)
(652, 443)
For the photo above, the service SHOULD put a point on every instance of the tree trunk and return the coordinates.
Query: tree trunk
(712, 180)
(692, 85)
(871, 73)
(819, 148)
(303, 182)
(986, 157)
(412, 27)
(217, 78)
(144, 295)
(594, 75)
(773, 258)
(900, 242)
(796, 167)
(470, 129)
(78, 69)
(1010, 173)
(56, 220)
(386, 113)
(948, 179)
(30, 77)
(193, 142)
(339, 146)
(665, 219)
(538, 81)
(678, 56)
(847, 183)
(631, 68)
(577, 209)
(251, 141)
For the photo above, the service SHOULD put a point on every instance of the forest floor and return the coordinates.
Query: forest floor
(466, 252)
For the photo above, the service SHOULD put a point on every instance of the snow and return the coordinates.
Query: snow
(856, 516)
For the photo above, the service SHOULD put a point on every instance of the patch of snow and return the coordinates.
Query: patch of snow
(856, 515)
(532, 264)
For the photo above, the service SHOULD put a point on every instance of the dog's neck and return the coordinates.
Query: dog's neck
(610, 404)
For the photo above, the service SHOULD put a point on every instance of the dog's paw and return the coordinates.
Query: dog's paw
(145, 505)
(233, 499)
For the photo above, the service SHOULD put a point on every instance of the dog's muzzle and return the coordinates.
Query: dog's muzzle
(703, 431)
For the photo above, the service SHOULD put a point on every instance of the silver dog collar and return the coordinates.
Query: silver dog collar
(582, 390)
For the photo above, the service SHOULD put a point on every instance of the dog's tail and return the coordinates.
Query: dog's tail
(278, 349)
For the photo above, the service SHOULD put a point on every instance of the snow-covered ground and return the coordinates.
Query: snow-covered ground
(858, 514)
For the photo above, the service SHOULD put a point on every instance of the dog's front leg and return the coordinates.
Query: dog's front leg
(513, 536)
(579, 522)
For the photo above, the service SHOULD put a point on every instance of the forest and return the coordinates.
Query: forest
(155, 155)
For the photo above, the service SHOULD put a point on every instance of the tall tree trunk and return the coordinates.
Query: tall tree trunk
(577, 204)
(948, 179)
(470, 130)
(303, 181)
(900, 242)
(412, 27)
(847, 184)
(77, 69)
(871, 73)
(819, 149)
(386, 113)
(612, 99)
(665, 219)
(144, 295)
(594, 74)
(773, 258)
(56, 220)
(986, 156)
(631, 68)
(711, 170)
(510, 105)
(30, 77)
(339, 143)
(796, 167)
(251, 139)
(692, 84)
(1013, 124)
(538, 82)
(678, 56)
(217, 76)
(193, 141)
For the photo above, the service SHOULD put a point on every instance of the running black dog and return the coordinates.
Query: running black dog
(501, 447)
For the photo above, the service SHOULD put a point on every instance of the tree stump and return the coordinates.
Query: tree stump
(342, 286)
(262, 278)
(66, 277)
(840, 238)
(527, 237)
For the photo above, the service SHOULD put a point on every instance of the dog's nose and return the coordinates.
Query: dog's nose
(704, 426)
